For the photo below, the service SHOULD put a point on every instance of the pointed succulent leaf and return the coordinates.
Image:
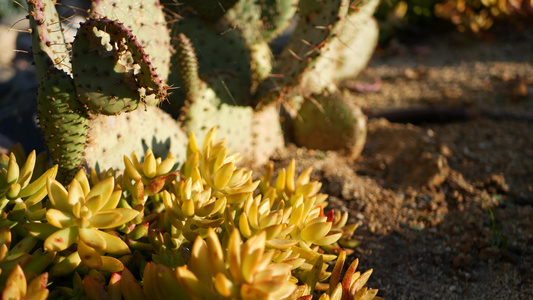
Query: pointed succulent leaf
(59, 219)
(61, 239)
(103, 188)
(89, 256)
(114, 244)
(92, 237)
(106, 219)
(35, 186)
(58, 195)
(111, 264)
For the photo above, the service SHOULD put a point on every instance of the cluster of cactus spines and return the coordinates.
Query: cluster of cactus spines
(150, 231)
(49, 46)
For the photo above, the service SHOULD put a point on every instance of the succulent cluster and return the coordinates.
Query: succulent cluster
(100, 95)
(205, 231)
(479, 15)
(472, 16)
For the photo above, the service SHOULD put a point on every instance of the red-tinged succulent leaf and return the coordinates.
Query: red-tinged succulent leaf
(61, 239)
(94, 290)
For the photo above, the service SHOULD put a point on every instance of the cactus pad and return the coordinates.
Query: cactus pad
(49, 46)
(63, 121)
(219, 48)
(312, 33)
(347, 52)
(327, 123)
(145, 19)
(110, 69)
(211, 9)
(276, 16)
(112, 136)
(233, 122)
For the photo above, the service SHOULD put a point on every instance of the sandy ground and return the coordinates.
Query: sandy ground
(445, 206)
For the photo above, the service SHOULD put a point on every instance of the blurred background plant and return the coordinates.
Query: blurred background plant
(408, 19)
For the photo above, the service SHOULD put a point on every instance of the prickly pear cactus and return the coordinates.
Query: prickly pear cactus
(107, 73)
(147, 23)
(347, 51)
(111, 71)
(311, 34)
(62, 119)
(100, 93)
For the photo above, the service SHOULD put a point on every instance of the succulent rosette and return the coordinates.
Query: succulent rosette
(17, 287)
(248, 274)
(218, 170)
(191, 209)
(82, 215)
(19, 195)
(150, 175)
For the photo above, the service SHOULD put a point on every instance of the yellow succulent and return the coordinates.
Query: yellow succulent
(15, 186)
(192, 209)
(303, 208)
(152, 172)
(215, 168)
(248, 274)
(18, 288)
(287, 188)
(352, 285)
(81, 213)
(258, 215)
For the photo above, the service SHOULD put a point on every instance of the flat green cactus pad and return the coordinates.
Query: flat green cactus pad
(110, 69)
(312, 33)
(331, 123)
(63, 120)
(149, 127)
(49, 46)
(219, 49)
(211, 9)
(347, 52)
(146, 20)
(267, 136)
(233, 122)
(276, 16)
